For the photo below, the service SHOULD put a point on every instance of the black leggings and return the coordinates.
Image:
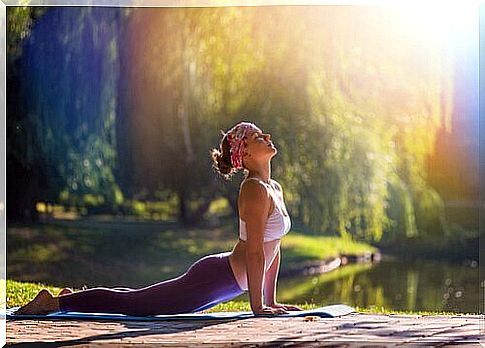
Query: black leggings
(208, 282)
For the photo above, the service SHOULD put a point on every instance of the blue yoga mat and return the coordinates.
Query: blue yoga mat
(330, 311)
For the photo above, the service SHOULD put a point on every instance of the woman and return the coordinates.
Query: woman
(252, 265)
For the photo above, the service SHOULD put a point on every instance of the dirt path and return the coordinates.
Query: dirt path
(356, 328)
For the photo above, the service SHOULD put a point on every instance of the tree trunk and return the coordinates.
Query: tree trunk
(21, 203)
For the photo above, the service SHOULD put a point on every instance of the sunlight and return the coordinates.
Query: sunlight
(436, 22)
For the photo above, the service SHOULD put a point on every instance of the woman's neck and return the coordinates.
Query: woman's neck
(263, 172)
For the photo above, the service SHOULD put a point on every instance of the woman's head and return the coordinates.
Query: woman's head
(244, 146)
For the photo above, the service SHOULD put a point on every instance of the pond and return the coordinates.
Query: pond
(392, 283)
(130, 255)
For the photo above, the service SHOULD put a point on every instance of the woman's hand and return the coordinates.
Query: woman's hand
(285, 307)
(266, 310)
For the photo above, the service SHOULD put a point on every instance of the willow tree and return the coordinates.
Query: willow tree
(380, 103)
(71, 64)
(197, 64)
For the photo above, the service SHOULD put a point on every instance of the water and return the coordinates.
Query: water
(394, 284)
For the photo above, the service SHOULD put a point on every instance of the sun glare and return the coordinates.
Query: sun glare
(438, 22)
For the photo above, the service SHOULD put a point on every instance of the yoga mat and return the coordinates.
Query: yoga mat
(330, 311)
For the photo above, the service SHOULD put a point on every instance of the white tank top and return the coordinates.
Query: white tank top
(277, 225)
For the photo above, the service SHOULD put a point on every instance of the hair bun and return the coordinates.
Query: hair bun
(223, 166)
(222, 159)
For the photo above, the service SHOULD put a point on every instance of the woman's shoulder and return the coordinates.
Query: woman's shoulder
(253, 195)
(251, 185)
(254, 189)
(258, 181)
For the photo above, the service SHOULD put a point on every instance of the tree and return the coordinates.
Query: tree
(71, 64)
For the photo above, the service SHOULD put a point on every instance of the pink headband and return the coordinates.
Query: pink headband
(237, 137)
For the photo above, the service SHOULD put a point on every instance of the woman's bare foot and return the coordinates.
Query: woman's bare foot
(65, 291)
(43, 303)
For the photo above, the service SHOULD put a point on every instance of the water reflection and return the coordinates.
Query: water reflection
(418, 285)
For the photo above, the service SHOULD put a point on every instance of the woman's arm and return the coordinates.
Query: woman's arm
(254, 210)
(271, 280)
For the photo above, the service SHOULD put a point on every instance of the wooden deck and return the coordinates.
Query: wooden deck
(356, 329)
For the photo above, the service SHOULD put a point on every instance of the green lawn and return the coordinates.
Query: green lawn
(19, 293)
(297, 247)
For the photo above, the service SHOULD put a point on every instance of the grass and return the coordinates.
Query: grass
(297, 247)
(383, 310)
(19, 293)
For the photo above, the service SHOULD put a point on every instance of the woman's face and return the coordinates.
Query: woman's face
(259, 144)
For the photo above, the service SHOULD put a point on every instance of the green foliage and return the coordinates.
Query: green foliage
(219, 206)
(163, 210)
(20, 20)
(430, 215)
(71, 104)
(401, 211)
(353, 123)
